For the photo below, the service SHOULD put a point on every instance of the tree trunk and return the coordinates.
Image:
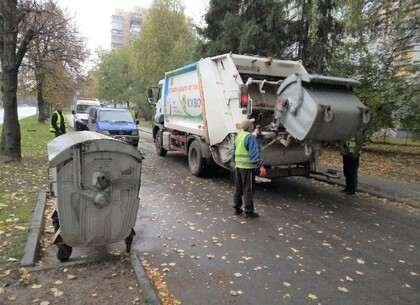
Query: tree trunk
(11, 138)
(42, 113)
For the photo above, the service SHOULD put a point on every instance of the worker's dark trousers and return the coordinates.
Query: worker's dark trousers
(244, 186)
(350, 168)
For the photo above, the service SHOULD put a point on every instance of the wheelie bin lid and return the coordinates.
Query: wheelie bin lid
(62, 148)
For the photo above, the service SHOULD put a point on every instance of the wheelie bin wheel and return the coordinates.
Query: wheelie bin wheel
(129, 241)
(55, 221)
(64, 252)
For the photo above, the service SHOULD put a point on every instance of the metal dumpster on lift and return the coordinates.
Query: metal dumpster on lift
(97, 190)
(320, 108)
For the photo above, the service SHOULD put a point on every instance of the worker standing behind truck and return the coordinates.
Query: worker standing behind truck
(351, 155)
(247, 156)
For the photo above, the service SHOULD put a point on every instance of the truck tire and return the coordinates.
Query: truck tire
(158, 144)
(195, 159)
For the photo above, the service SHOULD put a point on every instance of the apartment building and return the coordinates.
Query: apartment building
(125, 25)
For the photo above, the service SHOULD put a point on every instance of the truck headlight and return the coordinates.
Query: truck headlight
(105, 132)
(135, 133)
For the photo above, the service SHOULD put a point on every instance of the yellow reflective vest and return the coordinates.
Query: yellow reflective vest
(351, 145)
(52, 129)
(242, 159)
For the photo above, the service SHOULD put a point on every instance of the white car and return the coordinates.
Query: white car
(81, 112)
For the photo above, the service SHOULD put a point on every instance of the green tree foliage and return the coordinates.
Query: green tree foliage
(222, 32)
(90, 85)
(362, 39)
(254, 27)
(301, 30)
(114, 75)
(55, 57)
(166, 42)
(380, 36)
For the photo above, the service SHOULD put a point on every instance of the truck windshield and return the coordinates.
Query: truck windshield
(116, 116)
(83, 108)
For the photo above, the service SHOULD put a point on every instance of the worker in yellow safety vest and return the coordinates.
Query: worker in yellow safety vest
(247, 156)
(58, 122)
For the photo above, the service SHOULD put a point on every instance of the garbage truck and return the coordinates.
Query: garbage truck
(199, 108)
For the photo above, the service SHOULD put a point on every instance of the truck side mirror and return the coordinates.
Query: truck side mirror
(150, 96)
(73, 112)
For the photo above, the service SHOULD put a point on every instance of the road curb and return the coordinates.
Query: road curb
(145, 129)
(370, 191)
(146, 286)
(30, 254)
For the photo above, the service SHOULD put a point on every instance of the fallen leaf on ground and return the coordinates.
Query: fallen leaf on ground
(312, 296)
(343, 289)
(35, 286)
(234, 293)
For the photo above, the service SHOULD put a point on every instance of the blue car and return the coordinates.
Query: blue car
(114, 122)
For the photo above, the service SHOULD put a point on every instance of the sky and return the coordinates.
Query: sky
(93, 17)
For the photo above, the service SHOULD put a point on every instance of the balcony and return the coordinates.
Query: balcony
(135, 19)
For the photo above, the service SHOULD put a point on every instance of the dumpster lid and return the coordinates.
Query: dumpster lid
(61, 148)
(315, 78)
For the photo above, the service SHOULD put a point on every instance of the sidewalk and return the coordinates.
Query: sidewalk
(406, 193)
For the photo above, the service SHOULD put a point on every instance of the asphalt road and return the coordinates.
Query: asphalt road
(311, 245)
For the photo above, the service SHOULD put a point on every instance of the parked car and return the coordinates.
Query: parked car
(81, 111)
(116, 123)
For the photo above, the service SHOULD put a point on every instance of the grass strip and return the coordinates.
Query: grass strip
(20, 183)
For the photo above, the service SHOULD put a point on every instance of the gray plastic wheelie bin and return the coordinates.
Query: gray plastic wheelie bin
(97, 190)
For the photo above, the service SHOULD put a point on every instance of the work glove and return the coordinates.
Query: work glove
(263, 171)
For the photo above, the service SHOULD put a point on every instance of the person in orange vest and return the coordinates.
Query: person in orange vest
(58, 122)
(351, 155)
(247, 157)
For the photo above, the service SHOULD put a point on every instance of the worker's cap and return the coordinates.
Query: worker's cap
(247, 123)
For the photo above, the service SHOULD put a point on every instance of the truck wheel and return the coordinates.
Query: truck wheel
(158, 144)
(195, 159)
